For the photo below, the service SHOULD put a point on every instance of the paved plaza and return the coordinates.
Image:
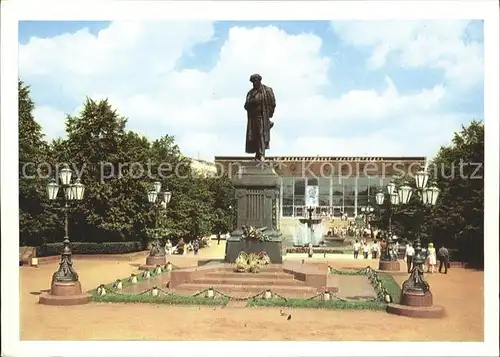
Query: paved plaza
(461, 291)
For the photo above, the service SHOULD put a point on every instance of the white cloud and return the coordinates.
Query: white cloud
(435, 44)
(51, 120)
(136, 65)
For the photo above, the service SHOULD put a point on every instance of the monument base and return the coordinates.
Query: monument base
(390, 265)
(426, 312)
(274, 249)
(65, 294)
(153, 261)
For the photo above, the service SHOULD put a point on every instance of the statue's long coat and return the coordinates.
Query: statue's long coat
(258, 133)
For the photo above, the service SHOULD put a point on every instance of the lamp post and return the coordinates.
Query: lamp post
(416, 290)
(158, 200)
(65, 288)
(367, 212)
(389, 258)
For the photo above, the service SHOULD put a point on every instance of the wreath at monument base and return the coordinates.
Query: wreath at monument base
(255, 234)
(251, 262)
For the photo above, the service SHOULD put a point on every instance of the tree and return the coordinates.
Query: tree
(457, 219)
(223, 204)
(34, 217)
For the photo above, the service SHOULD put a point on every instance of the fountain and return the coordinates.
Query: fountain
(307, 233)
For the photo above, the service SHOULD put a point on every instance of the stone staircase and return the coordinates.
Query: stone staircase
(240, 285)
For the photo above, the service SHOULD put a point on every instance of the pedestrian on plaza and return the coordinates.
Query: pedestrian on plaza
(366, 250)
(311, 250)
(356, 248)
(168, 247)
(196, 247)
(375, 250)
(444, 259)
(218, 238)
(431, 258)
(409, 253)
(181, 247)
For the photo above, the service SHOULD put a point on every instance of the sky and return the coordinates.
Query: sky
(343, 88)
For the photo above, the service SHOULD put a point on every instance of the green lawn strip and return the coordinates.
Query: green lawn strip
(319, 304)
(127, 281)
(388, 282)
(165, 299)
(391, 286)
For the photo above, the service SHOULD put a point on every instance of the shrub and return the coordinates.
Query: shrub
(319, 304)
(391, 286)
(51, 249)
(166, 299)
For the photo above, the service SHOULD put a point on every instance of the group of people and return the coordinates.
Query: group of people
(375, 248)
(431, 258)
(182, 247)
(372, 249)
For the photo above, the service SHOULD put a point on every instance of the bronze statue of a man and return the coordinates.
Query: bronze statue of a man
(260, 105)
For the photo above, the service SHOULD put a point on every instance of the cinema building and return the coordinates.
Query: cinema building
(344, 184)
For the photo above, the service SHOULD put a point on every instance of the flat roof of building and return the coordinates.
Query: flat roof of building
(324, 158)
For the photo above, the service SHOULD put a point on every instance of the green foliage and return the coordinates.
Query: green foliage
(118, 168)
(319, 304)
(51, 249)
(457, 219)
(34, 216)
(391, 286)
(166, 299)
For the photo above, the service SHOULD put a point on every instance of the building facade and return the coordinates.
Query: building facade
(343, 184)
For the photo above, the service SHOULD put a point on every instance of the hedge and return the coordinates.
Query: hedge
(320, 304)
(51, 249)
(166, 299)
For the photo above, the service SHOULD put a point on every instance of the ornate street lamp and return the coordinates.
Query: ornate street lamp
(65, 285)
(402, 195)
(389, 258)
(416, 290)
(158, 200)
(367, 212)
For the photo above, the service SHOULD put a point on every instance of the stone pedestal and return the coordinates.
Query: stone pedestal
(152, 261)
(257, 204)
(415, 304)
(65, 293)
(389, 265)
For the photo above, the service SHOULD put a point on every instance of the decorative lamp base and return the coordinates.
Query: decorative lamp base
(426, 312)
(65, 294)
(152, 261)
(416, 299)
(390, 265)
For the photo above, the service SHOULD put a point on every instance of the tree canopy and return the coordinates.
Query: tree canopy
(118, 168)
(457, 220)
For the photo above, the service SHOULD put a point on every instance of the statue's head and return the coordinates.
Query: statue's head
(256, 80)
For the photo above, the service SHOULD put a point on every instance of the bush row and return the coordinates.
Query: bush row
(319, 304)
(167, 299)
(50, 249)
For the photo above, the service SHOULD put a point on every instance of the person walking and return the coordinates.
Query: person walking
(196, 247)
(168, 247)
(375, 250)
(366, 250)
(409, 253)
(356, 248)
(444, 259)
(431, 258)
(311, 250)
